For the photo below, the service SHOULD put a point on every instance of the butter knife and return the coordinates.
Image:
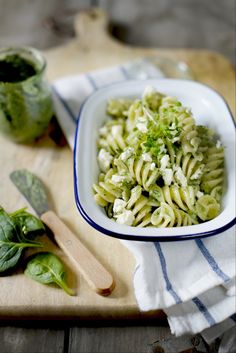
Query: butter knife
(92, 270)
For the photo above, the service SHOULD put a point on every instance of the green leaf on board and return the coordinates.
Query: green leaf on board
(17, 232)
(47, 268)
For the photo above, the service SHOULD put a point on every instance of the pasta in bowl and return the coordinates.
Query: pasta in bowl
(157, 163)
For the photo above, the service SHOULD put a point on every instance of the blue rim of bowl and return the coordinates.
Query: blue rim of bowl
(141, 237)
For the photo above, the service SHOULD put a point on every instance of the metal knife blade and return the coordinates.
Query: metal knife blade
(93, 271)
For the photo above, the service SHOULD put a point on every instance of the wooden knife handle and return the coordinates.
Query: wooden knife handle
(94, 273)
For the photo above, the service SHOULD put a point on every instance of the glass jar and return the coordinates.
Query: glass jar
(25, 98)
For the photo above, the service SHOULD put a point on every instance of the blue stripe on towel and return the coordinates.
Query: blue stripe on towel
(65, 104)
(164, 271)
(202, 308)
(233, 317)
(124, 72)
(212, 262)
(91, 81)
(136, 270)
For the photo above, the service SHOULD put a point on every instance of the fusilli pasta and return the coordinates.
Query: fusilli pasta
(157, 167)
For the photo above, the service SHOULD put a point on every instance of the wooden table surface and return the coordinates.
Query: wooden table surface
(20, 298)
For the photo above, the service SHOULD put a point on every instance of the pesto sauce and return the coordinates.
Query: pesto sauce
(16, 69)
(25, 99)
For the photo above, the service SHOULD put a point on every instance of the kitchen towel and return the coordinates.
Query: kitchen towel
(192, 281)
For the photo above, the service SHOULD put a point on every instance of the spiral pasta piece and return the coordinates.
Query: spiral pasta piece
(167, 216)
(163, 216)
(183, 218)
(106, 191)
(207, 207)
(119, 108)
(213, 176)
(137, 207)
(191, 167)
(145, 173)
(173, 195)
(189, 137)
(138, 204)
(113, 141)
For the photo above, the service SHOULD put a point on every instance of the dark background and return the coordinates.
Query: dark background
(206, 24)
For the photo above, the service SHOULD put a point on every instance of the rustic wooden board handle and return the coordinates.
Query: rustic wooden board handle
(94, 273)
(91, 29)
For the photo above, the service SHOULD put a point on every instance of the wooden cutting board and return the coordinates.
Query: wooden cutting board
(92, 48)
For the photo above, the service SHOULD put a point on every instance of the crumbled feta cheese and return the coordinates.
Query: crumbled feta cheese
(116, 130)
(172, 126)
(152, 166)
(104, 159)
(127, 153)
(199, 194)
(167, 175)
(175, 139)
(118, 178)
(164, 161)
(173, 132)
(218, 144)
(162, 149)
(103, 131)
(119, 206)
(180, 177)
(125, 217)
(142, 119)
(197, 174)
(147, 157)
(142, 126)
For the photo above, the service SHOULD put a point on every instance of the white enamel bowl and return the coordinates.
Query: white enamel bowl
(208, 108)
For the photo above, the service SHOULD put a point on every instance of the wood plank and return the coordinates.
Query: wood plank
(31, 340)
(136, 339)
(130, 339)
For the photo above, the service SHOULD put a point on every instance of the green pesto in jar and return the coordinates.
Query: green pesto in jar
(25, 98)
(15, 69)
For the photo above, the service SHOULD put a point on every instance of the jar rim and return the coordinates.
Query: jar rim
(35, 55)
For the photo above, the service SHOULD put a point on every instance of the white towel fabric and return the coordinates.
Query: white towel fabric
(192, 281)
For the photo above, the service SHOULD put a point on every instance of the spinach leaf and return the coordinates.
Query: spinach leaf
(16, 234)
(30, 225)
(9, 256)
(47, 268)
